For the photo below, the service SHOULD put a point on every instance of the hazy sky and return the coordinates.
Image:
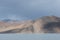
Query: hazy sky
(28, 9)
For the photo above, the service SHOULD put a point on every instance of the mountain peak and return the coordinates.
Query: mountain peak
(50, 18)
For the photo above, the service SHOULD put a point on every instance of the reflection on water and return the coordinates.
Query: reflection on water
(29, 36)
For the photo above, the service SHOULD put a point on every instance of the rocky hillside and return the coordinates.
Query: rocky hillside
(46, 24)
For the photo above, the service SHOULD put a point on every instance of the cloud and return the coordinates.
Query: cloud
(38, 8)
(29, 9)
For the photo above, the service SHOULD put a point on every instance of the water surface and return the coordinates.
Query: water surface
(29, 36)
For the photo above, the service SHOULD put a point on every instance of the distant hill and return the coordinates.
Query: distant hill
(46, 24)
(8, 20)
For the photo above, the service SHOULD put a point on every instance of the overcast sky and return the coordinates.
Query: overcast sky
(28, 9)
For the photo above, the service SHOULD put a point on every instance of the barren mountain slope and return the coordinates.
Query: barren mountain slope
(46, 24)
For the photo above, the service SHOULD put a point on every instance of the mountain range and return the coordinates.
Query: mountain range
(45, 24)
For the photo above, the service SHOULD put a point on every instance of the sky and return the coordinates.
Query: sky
(28, 9)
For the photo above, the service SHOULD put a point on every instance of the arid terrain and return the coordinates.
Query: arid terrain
(46, 24)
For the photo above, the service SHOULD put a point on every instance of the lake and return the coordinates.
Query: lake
(29, 36)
